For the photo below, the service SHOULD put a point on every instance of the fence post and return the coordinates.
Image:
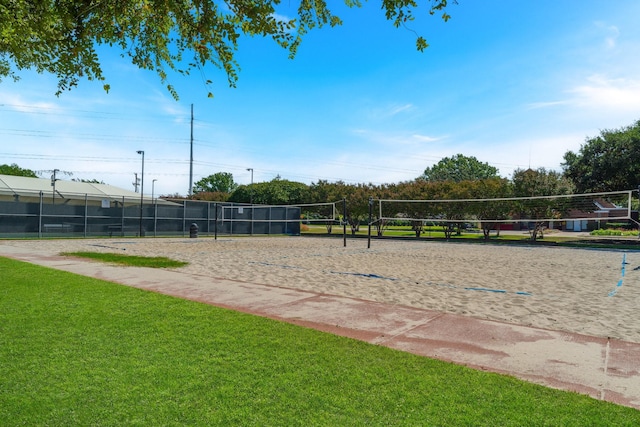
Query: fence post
(344, 221)
(40, 217)
(122, 219)
(369, 230)
(184, 217)
(86, 213)
(215, 224)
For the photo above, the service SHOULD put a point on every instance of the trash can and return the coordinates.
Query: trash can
(193, 230)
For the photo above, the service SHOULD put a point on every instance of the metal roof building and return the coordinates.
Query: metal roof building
(25, 189)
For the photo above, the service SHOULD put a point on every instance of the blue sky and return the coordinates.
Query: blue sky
(513, 83)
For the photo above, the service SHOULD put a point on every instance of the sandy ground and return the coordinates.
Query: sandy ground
(592, 292)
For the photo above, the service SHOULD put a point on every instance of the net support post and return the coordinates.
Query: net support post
(630, 197)
(369, 228)
(344, 221)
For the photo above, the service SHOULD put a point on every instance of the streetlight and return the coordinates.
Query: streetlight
(141, 189)
(251, 188)
(153, 184)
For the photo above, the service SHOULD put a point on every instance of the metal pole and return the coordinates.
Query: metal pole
(344, 221)
(215, 224)
(155, 207)
(141, 189)
(369, 231)
(208, 218)
(155, 220)
(86, 212)
(251, 186)
(251, 199)
(191, 157)
(184, 218)
(122, 219)
(40, 216)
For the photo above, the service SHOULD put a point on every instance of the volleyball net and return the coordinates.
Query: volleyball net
(609, 206)
(273, 219)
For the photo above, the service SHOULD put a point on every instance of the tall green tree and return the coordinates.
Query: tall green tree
(491, 210)
(221, 182)
(278, 191)
(459, 168)
(14, 169)
(608, 162)
(61, 37)
(541, 182)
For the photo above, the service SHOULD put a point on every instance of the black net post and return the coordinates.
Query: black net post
(369, 230)
(344, 221)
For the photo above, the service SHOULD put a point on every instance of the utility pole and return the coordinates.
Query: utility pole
(136, 181)
(53, 184)
(54, 178)
(191, 157)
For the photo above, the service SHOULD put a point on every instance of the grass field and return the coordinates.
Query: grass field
(79, 351)
(474, 235)
(433, 231)
(136, 261)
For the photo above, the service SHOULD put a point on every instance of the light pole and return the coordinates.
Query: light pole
(141, 189)
(251, 188)
(153, 185)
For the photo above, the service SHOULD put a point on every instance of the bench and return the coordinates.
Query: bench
(118, 228)
(65, 228)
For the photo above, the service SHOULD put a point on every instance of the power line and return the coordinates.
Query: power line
(89, 136)
(62, 111)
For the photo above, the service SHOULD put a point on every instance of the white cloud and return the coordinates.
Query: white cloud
(602, 93)
(611, 34)
(548, 104)
(396, 138)
(399, 109)
(426, 138)
(16, 102)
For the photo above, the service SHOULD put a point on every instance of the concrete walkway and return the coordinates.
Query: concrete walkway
(605, 369)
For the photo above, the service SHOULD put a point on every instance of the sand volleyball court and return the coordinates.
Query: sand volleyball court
(592, 292)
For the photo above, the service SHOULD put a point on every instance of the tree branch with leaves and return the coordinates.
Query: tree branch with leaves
(61, 37)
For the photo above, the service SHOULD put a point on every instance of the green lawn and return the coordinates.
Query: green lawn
(476, 236)
(130, 260)
(80, 351)
(432, 231)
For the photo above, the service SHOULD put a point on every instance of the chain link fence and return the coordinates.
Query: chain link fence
(84, 216)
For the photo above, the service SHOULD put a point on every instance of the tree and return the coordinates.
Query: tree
(14, 169)
(459, 168)
(540, 182)
(609, 162)
(60, 37)
(275, 192)
(88, 181)
(494, 188)
(221, 182)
